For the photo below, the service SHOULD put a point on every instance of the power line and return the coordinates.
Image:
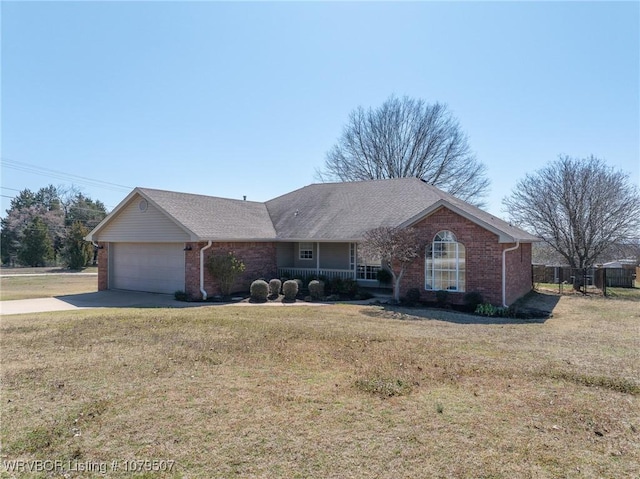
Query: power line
(38, 170)
(74, 207)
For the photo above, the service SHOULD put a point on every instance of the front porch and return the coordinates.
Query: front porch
(327, 261)
(292, 273)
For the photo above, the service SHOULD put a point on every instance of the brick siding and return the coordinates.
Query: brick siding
(519, 279)
(483, 261)
(103, 266)
(259, 260)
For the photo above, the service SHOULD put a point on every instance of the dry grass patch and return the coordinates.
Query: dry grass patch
(333, 391)
(28, 287)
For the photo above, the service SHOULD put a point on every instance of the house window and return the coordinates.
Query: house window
(444, 267)
(367, 268)
(306, 250)
(366, 271)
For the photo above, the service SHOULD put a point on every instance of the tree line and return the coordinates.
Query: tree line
(48, 227)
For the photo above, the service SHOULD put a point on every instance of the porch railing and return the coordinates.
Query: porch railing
(306, 272)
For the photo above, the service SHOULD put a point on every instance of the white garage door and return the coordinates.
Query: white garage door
(152, 267)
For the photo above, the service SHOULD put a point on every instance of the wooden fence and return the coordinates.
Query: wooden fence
(551, 274)
(615, 277)
(598, 277)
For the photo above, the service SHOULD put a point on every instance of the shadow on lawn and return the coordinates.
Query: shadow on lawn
(536, 307)
(125, 299)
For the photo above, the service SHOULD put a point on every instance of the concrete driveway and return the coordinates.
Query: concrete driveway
(100, 299)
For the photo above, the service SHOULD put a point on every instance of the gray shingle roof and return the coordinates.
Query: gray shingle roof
(318, 212)
(209, 217)
(345, 211)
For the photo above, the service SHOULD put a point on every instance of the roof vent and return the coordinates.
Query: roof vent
(244, 197)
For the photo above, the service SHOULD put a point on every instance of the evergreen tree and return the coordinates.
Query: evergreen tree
(77, 252)
(87, 211)
(36, 248)
(58, 208)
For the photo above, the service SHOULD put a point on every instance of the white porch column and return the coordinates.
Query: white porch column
(355, 261)
(317, 258)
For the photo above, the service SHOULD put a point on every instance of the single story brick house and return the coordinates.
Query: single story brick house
(159, 241)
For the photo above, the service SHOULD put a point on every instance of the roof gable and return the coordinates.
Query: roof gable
(138, 220)
(200, 217)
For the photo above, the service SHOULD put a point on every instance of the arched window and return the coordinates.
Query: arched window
(444, 266)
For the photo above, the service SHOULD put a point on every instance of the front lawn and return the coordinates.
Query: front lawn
(47, 286)
(334, 391)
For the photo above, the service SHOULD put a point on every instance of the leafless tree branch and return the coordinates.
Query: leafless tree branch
(396, 248)
(407, 138)
(581, 207)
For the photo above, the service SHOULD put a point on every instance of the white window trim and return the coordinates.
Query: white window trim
(369, 268)
(308, 248)
(458, 288)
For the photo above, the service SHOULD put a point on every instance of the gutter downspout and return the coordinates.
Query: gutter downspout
(202, 290)
(504, 272)
(95, 258)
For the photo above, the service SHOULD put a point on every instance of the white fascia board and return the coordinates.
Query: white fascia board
(238, 240)
(114, 213)
(314, 240)
(502, 236)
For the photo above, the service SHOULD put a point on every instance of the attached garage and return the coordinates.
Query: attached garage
(151, 267)
(158, 241)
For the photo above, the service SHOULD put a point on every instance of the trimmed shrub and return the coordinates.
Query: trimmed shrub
(334, 286)
(275, 285)
(290, 289)
(442, 297)
(259, 290)
(300, 284)
(413, 296)
(180, 295)
(384, 276)
(349, 287)
(305, 280)
(316, 289)
(225, 269)
(472, 299)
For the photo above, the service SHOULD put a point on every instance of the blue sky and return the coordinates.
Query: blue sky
(233, 99)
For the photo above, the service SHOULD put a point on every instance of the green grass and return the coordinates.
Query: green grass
(6, 270)
(27, 287)
(632, 294)
(332, 391)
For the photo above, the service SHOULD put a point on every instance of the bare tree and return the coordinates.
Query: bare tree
(396, 248)
(407, 138)
(580, 207)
